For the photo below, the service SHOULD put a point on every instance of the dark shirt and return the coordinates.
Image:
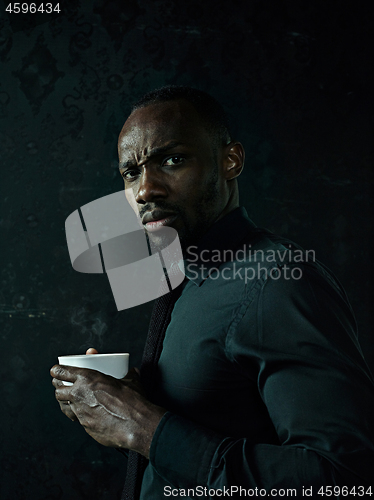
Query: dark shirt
(262, 374)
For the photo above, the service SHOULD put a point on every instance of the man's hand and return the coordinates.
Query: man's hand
(92, 350)
(114, 412)
(64, 405)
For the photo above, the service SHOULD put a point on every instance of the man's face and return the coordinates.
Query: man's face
(172, 173)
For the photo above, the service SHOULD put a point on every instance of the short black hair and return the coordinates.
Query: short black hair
(209, 109)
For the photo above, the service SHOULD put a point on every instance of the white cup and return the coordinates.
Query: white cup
(116, 365)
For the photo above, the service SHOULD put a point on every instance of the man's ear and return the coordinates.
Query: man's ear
(233, 160)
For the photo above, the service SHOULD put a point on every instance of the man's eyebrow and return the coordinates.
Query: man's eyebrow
(164, 149)
(126, 164)
(153, 152)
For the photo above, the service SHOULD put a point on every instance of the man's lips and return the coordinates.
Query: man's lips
(156, 220)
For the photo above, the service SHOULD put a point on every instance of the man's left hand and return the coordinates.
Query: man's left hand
(114, 412)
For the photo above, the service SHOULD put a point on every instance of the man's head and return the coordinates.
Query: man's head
(178, 161)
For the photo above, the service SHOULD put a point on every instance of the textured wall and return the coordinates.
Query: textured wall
(294, 78)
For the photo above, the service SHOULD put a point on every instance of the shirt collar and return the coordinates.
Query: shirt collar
(225, 234)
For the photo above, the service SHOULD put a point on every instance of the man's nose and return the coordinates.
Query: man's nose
(151, 186)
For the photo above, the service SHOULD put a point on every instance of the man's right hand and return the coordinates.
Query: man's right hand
(115, 412)
(65, 405)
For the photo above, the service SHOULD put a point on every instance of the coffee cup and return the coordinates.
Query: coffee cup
(116, 364)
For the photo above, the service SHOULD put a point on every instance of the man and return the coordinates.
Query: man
(261, 385)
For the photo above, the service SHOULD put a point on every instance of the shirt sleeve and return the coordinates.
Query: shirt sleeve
(315, 384)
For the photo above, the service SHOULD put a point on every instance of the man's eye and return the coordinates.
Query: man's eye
(174, 160)
(129, 175)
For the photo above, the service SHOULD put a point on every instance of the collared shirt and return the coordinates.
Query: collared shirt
(262, 375)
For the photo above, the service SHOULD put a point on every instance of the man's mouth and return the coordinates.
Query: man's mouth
(155, 221)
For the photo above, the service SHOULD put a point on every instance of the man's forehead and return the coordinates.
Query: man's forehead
(152, 136)
(155, 124)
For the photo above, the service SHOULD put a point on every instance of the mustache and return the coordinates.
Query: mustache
(161, 205)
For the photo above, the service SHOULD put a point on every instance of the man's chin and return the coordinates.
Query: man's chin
(162, 238)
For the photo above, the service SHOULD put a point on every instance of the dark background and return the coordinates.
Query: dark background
(295, 79)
